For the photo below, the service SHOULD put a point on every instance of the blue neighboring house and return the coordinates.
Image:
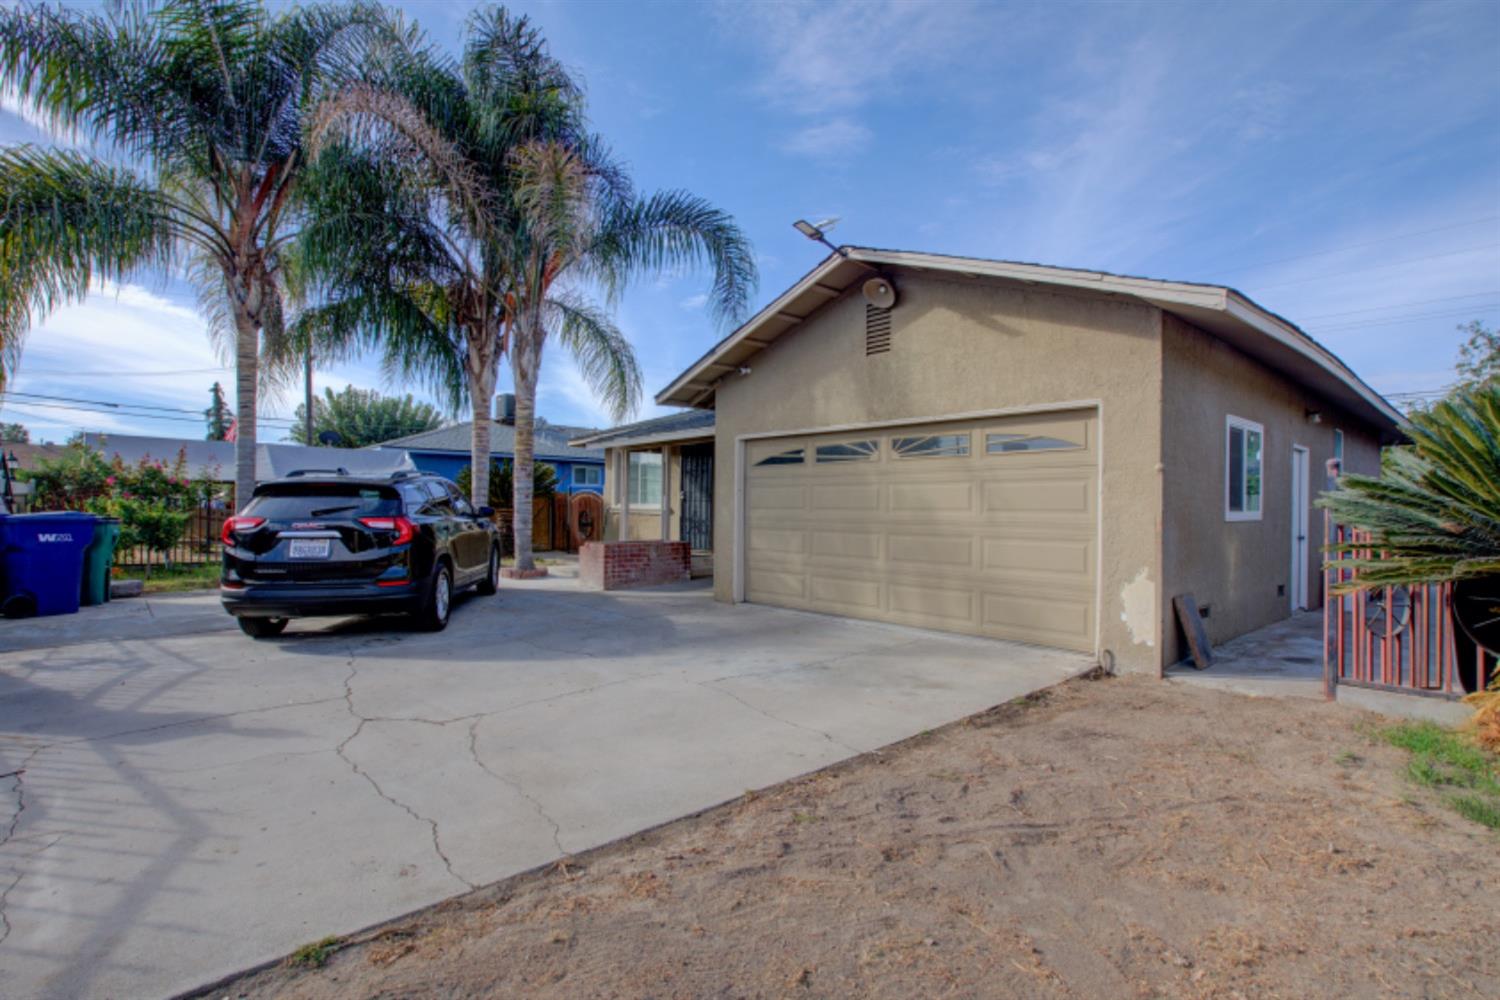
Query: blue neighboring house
(445, 451)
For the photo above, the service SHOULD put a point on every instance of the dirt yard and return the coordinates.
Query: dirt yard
(1112, 838)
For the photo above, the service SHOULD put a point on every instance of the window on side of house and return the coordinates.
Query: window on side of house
(645, 479)
(1244, 441)
(588, 475)
(931, 446)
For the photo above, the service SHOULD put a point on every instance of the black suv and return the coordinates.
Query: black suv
(328, 543)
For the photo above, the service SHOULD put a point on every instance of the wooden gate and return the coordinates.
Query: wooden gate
(541, 523)
(585, 519)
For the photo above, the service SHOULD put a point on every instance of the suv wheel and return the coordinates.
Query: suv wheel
(434, 614)
(262, 628)
(491, 581)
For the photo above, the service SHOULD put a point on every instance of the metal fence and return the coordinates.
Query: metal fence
(1400, 639)
(198, 546)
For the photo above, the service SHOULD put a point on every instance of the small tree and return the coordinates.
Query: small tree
(14, 434)
(217, 415)
(502, 483)
(1479, 355)
(364, 417)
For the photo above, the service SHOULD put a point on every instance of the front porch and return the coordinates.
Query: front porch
(659, 484)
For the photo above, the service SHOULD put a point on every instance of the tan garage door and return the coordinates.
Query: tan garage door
(985, 526)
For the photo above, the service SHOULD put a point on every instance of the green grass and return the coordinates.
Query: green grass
(1449, 762)
(175, 580)
(315, 955)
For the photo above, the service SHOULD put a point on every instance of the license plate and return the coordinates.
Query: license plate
(309, 548)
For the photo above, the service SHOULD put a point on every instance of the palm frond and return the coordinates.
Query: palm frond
(674, 229)
(604, 356)
(1434, 513)
(67, 220)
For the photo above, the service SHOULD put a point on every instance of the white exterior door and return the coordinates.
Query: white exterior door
(1300, 516)
(988, 526)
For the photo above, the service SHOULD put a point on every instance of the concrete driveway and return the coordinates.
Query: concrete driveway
(179, 802)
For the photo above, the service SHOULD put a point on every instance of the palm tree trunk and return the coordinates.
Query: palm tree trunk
(481, 392)
(525, 359)
(246, 359)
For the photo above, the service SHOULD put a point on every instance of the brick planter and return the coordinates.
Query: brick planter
(617, 565)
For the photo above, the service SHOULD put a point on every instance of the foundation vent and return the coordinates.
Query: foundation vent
(877, 330)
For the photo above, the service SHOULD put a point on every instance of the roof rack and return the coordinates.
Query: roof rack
(299, 473)
(405, 474)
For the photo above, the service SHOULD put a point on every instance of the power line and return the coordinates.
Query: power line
(1356, 246)
(25, 409)
(1448, 313)
(1377, 267)
(109, 406)
(63, 373)
(1403, 305)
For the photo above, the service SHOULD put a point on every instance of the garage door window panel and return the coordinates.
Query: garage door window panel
(792, 456)
(1244, 442)
(847, 451)
(1007, 444)
(931, 446)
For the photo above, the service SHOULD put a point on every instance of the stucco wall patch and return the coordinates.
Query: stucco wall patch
(1138, 604)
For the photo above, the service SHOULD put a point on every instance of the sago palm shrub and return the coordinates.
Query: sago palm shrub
(1433, 515)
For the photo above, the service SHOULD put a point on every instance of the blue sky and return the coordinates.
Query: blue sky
(1338, 162)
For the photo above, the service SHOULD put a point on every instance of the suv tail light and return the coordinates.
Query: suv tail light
(234, 524)
(404, 529)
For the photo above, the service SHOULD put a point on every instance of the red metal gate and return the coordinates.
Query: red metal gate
(1400, 639)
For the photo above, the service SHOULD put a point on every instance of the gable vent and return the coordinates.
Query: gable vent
(877, 330)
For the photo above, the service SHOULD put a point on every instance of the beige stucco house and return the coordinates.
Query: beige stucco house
(1009, 450)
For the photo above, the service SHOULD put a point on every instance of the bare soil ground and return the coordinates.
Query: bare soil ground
(1113, 838)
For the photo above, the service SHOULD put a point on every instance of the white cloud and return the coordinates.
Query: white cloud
(833, 56)
(833, 139)
(694, 302)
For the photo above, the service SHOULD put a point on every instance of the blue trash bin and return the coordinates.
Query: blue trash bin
(42, 556)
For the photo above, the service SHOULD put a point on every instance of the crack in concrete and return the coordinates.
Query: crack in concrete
(437, 843)
(516, 787)
(19, 789)
(714, 685)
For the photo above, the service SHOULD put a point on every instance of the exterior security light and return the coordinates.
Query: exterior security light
(814, 232)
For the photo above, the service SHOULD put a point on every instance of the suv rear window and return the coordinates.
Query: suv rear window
(325, 500)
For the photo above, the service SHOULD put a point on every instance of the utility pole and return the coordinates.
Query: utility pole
(308, 395)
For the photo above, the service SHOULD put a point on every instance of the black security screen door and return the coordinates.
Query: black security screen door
(698, 496)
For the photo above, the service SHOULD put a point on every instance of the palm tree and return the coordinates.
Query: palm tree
(1434, 512)
(200, 101)
(578, 224)
(404, 248)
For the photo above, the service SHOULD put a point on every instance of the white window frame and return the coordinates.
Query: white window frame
(634, 481)
(595, 475)
(1248, 427)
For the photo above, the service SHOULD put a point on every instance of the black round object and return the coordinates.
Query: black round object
(1476, 609)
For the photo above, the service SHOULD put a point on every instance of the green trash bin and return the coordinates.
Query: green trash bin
(97, 559)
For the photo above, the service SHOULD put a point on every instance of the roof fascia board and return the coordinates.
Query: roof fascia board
(777, 305)
(1163, 294)
(1289, 336)
(666, 437)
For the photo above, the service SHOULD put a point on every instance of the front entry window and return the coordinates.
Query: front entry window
(645, 479)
